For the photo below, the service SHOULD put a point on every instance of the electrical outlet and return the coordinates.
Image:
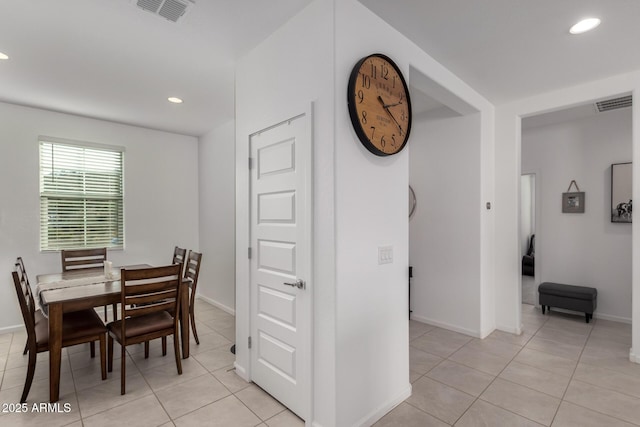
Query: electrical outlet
(385, 254)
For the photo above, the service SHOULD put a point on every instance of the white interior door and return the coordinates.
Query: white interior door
(281, 262)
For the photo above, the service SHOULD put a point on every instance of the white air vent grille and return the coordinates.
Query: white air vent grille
(171, 10)
(614, 104)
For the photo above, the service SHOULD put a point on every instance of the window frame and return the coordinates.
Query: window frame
(52, 244)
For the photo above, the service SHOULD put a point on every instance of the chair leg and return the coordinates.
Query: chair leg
(123, 365)
(193, 324)
(106, 319)
(176, 349)
(114, 307)
(110, 353)
(146, 349)
(103, 356)
(164, 346)
(31, 369)
(92, 346)
(192, 315)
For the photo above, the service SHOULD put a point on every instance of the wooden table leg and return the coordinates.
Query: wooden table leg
(55, 350)
(184, 320)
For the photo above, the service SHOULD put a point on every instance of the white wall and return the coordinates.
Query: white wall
(583, 249)
(275, 81)
(372, 211)
(216, 175)
(160, 181)
(360, 307)
(507, 177)
(444, 232)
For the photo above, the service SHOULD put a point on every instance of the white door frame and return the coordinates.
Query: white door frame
(243, 240)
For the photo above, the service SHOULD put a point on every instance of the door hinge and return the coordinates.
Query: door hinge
(249, 253)
(250, 163)
(249, 342)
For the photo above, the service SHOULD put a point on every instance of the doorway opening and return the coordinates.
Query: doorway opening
(580, 144)
(445, 229)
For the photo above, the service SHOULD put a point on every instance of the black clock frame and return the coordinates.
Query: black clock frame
(353, 113)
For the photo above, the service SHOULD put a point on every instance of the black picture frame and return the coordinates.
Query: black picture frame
(621, 192)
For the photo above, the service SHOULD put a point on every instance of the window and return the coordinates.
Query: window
(81, 195)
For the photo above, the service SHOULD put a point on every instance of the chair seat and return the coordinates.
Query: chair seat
(142, 325)
(75, 325)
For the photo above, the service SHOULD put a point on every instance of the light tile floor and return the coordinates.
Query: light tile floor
(560, 372)
(208, 393)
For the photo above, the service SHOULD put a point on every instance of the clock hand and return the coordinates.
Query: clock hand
(388, 105)
(386, 108)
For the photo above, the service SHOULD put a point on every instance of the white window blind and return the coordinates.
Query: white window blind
(81, 196)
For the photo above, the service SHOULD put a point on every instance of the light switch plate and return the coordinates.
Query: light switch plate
(385, 254)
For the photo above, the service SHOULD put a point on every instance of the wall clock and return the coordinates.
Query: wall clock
(379, 105)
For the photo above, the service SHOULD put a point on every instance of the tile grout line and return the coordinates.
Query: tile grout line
(496, 377)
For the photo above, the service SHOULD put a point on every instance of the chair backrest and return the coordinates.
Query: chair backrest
(192, 268)
(25, 298)
(80, 259)
(179, 255)
(149, 290)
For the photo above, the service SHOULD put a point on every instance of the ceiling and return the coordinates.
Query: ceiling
(113, 61)
(510, 49)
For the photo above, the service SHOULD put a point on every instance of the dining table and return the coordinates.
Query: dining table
(71, 291)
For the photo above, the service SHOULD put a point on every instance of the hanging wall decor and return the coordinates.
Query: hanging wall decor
(621, 194)
(573, 202)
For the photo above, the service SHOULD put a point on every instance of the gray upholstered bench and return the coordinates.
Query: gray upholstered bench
(569, 297)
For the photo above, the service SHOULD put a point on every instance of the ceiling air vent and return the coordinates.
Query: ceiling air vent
(171, 10)
(614, 104)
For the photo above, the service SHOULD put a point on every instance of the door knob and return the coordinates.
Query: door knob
(300, 284)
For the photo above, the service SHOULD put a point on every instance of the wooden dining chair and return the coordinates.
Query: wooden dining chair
(82, 259)
(179, 256)
(22, 273)
(147, 296)
(191, 274)
(78, 327)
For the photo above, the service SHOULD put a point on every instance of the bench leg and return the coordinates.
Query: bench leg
(586, 316)
(543, 309)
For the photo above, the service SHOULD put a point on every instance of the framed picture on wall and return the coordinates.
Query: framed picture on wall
(573, 202)
(621, 192)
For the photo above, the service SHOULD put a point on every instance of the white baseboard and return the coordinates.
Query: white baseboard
(217, 304)
(596, 315)
(376, 415)
(633, 357)
(241, 372)
(509, 329)
(11, 329)
(470, 332)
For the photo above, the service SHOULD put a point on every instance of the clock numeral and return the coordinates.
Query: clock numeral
(383, 143)
(394, 82)
(360, 96)
(366, 81)
(374, 71)
(393, 140)
(364, 118)
(373, 131)
(401, 96)
(384, 72)
(402, 116)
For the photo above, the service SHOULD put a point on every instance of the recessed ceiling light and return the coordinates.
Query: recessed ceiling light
(3, 56)
(174, 100)
(585, 25)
